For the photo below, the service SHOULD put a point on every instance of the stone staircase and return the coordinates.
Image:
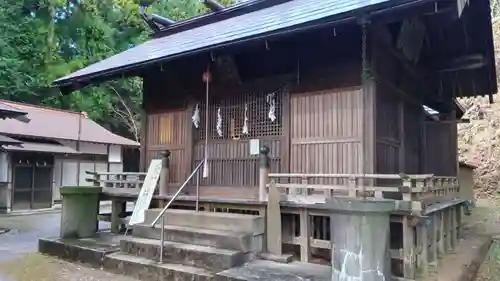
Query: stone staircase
(197, 246)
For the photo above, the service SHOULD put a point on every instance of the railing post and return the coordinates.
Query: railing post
(165, 166)
(264, 167)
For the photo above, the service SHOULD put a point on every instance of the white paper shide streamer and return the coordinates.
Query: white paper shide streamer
(245, 121)
(219, 122)
(272, 107)
(196, 116)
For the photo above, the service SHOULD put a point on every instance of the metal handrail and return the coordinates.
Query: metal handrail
(179, 191)
(162, 213)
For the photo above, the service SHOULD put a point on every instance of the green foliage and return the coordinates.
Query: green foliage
(42, 40)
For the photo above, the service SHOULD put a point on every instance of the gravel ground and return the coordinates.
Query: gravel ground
(36, 267)
(19, 260)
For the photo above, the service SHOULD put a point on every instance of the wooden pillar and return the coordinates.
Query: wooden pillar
(118, 207)
(264, 168)
(441, 244)
(143, 139)
(305, 235)
(423, 244)
(459, 214)
(408, 249)
(434, 240)
(453, 232)
(164, 174)
(274, 241)
(448, 229)
(401, 129)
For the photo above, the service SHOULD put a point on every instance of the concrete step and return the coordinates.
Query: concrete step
(210, 220)
(148, 270)
(210, 258)
(228, 240)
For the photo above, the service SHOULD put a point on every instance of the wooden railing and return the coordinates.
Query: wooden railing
(116, 180)
(421, 190)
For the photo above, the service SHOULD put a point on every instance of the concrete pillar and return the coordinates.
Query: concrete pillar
(360, 239)
(80, 208)
(165, 166)
(264, 167)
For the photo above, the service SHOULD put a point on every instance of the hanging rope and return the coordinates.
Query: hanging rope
(206, 78)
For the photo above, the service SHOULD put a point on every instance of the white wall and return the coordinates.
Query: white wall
(66, 169)
(4, 166)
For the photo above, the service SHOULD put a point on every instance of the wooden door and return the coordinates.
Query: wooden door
(169, 131)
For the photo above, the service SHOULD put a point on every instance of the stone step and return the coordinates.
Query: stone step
(148, 270)
(228, 240)
(210, 258)
(209, 220)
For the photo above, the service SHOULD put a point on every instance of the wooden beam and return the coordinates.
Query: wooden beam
(213, 5)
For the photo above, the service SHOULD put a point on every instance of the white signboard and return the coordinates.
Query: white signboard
(254, 147)
(146, 193)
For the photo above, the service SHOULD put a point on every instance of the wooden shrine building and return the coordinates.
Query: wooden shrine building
(331, 87)
(344, 83)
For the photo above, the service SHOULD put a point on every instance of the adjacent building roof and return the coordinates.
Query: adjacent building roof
(7, 111)
(41, 147)
(59, 124)
(5, 140)
(285, 17)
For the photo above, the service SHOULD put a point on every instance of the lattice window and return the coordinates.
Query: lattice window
(233, 116)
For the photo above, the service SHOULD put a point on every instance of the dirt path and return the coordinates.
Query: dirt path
(486, 219)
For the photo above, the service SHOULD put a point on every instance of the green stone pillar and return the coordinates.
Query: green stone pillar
(80, 208)
(360, 239)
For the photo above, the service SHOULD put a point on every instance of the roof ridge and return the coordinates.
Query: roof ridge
(14, 103)
(236, 10)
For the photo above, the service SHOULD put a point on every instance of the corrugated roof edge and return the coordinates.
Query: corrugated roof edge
(74, 83)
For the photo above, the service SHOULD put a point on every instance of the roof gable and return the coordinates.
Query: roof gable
(59, 124)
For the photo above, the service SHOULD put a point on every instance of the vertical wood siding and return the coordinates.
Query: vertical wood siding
(388, 135)
(169, 131)
(440, 154)
(325, 132)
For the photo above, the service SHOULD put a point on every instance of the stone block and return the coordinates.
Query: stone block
(210, 220)
(236, 241)
(149, 270)
(210, 258)
(80, 208)
(75, 250)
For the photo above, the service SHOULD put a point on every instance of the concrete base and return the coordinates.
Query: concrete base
(80, 208)
(209, 220)
(360, 233)
(90, 251)
(208, 258)
(272, 271)
(197, 236)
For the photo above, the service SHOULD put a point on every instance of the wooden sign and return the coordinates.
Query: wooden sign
(146, 193)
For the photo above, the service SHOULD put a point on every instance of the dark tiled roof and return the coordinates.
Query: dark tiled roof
(58, 124)
(265, 22)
